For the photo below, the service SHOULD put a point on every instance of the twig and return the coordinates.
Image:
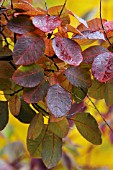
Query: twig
(63, 8)
(97, 110)
(103, 25)
(46, 6)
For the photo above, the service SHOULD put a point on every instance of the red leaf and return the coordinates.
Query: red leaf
(102, 67)
(34, 95)
(28, 76)
(93, 25)
(28, 49)
(90, 53)
(67, 50)
(58, 100)
(21, 24)
(78, 77)
(46, 23)
(108, 26)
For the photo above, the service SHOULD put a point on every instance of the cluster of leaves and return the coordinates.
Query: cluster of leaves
(48, 69)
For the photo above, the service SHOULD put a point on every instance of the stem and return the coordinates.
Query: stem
(103, 25)
(46, 6)
(97, 110)
(63, 8)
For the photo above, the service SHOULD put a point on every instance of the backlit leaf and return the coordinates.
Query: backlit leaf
(59, 128)
(15, 105)
(26, 113)
(56, 10)
(78, 94)
(36, 126)
(46, 23)
(34, 95)
(102, 67)
(28, 76)
(52, 149)
(67, 50)
(35, 146)
(78, 77)
(58, 100)
(28, 49)
(88, 127)
(90, 53)
(108, 93)
(97, 90)
(21, 24)
(4, 115)
(6, 70)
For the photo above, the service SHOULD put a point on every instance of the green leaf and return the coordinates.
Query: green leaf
(36, 126)
(4, 114)
(88, 127)
(97, 90)
(35, 146)
(78, 94)
(59, 128)
(26, 113)
(52, 149)
(108, 93)
(58, 100)
(28, 76)
(78, 77)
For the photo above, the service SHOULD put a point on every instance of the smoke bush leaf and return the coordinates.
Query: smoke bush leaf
(79, 77)
(28, 49)
(59, 128)
(52, 149)
(34, 95)
(36, 126)
(15, 105)
(102, 67)
(108, 93)
(46, 23)
(88, 127)
(58, 100)
(28, 76)
(4, 114)
(67, 50)
(90, 53)
(21, 24)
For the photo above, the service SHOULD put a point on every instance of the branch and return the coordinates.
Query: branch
(97, 110)
(63, 8)
(103, 26)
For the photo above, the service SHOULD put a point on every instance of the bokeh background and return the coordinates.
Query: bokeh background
(77, 151)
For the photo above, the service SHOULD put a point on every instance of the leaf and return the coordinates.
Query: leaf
(6, 70)
(46, 23)
(97, 90)
(88, 37)
(78, 18)
(59, 128)
(36, 126)
(108, 26)
(34, 95)
(93, 25)
(5, 53)
(75, 108)
(67, 50)
(102, 67)
(28, 76)
(4, 115)
(15, 105)
(78, 94)
(5, 84)
(58, 101)
(88, 127)
(90, 53)
(52, 149)
(26, 113)
(49, 50)
(108, 93)
(21, 24)
(78, 77)
(28, 49)
(35, 146)
(56, 11)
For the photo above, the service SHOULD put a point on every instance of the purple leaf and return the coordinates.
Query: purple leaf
(102, 67)
(67, 50)
(58, 100)
(28, 49)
